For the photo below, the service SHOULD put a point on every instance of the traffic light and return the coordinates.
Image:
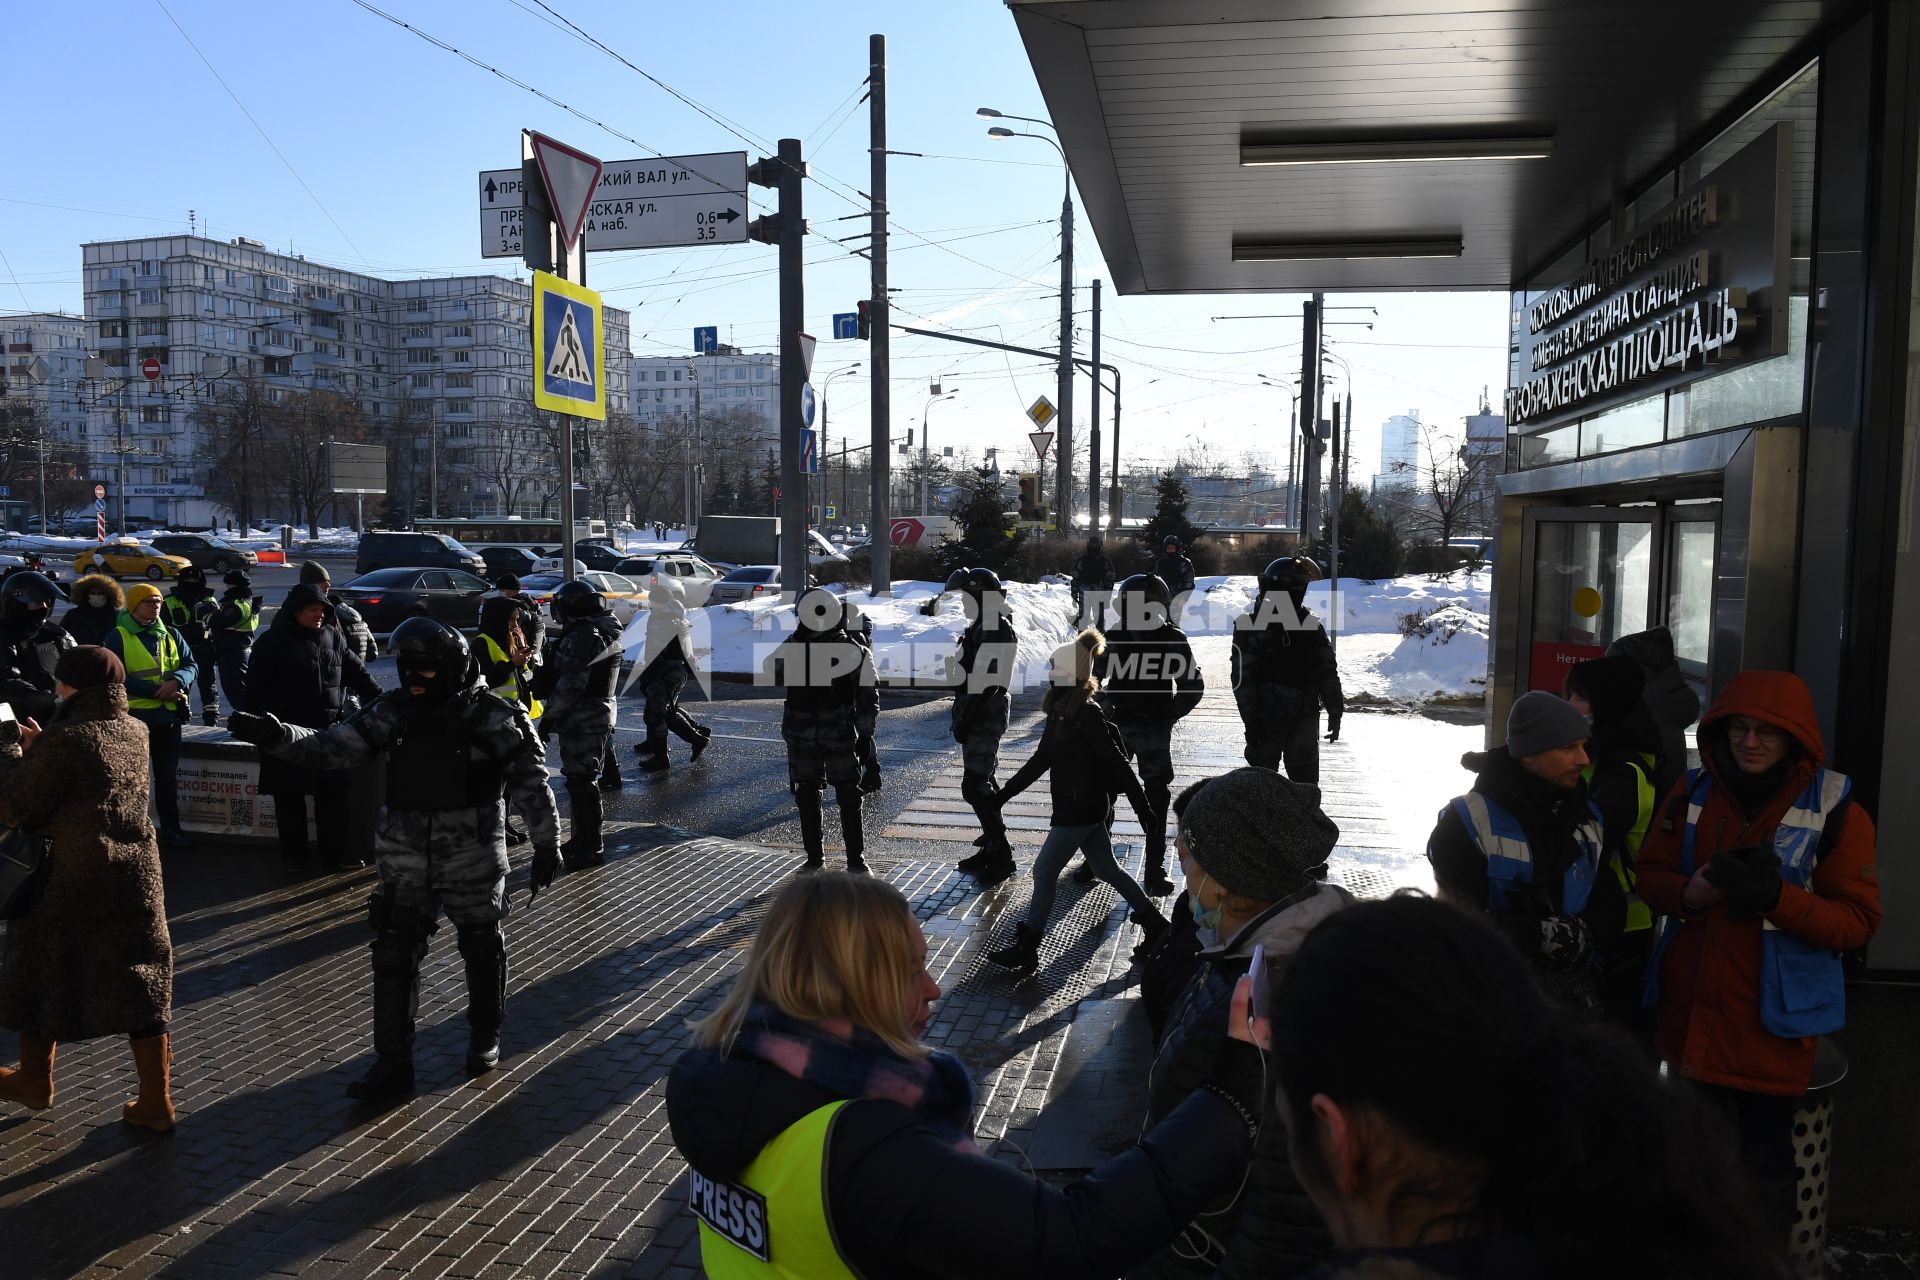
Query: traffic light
(1029, 496)
(864, 327)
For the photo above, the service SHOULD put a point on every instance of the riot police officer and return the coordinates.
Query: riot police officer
(832, 706)
(30, 645)
(982, 669)
(452, 749)
(1149, 681)
(1093, 573)
(189, 610)
(1173, 567)
(578, 685)
(1284, 672)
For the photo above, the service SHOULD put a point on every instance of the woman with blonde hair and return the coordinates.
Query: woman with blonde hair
(827, 1141)
(1087, 766)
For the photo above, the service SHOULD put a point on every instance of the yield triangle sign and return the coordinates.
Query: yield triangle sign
(1041, 440)
(569, 355)
(572, 176)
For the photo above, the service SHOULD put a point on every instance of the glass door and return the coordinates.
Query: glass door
(1692, 541)
(1591, 583)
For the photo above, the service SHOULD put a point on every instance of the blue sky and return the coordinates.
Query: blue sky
(382, 134)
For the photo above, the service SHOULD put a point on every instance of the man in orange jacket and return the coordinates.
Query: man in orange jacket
(1764, 867)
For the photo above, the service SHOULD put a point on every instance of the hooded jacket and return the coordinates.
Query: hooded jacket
(92, 624)
(1708, 1021)
(1624, 737)
(1668, 698)
(905, 1203)
(152, 636)
(301, 675)
(1271, 1228)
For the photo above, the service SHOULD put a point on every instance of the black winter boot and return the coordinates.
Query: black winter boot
(396, 1001)
(1023, 955)
(851, 832)
(1156, 883)
(610, 779)
(811, 836)
(995, 864)
(584, 847)
(484, 949)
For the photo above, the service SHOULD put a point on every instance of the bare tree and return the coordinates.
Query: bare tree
(302, 425)
(28, 450)
(1440, 491)
(517, 459)
(232, 447)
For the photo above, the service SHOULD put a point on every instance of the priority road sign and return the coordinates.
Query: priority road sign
(1042, 412)
(567, 349)
(1041, 441)
(706, 339)
(846, 324)
(809, 451)
(654, 203)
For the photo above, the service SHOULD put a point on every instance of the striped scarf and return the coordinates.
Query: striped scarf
(854, 1063)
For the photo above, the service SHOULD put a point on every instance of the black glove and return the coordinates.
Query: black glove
(1748, 877)
(1565, 941)
(1333, 731)
(261, 729)
(546, 865)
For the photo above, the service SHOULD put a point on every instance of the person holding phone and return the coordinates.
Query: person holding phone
(827, 1140)
(1254, 847)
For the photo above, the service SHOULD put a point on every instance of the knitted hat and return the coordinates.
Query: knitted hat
(141, 591)
(1257, 834)
(313, 572)
(89, 666)
(1541, 721)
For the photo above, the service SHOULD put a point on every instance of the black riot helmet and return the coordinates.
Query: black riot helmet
(975, 582)
(1143, 601)
(1095, 543)
(958, 579)
(192, 576)
(577, 599)
(29, 599)
(1290, 574)
(421, 645)
(1173, 543)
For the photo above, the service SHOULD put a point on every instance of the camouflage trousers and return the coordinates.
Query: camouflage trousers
(583, 752)
(452, 858)
(1296, 742)
(1150, 744)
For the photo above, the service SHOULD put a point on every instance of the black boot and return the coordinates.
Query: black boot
(995, 864)
(610, 779)
(652, 752)
(851, 832)
(978, 791)
(1023, 955)
(1156, 883)
(808, 800)
(396, 1002)
(700, 743)
(484, 948)
(1084, 873)
(688, 732)
(584, 847)
(1151, 927)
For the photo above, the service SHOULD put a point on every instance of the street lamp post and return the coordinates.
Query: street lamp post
(826, 477)
(1063, 464)
(926, 447)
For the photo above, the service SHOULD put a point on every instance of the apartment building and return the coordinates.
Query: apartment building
(42, 359)
(441, 367)
(668, 388)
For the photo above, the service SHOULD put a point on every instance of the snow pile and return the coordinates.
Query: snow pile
(1443, 655)
(736, 639)
(1366, 608)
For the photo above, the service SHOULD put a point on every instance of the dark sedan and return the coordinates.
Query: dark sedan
(388, 597)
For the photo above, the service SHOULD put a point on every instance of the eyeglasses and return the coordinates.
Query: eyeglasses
(1766, 735)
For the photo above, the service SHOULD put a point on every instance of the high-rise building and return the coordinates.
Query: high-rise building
(1399, 452)
(45, 358)
(1485, 453)
(440, 367)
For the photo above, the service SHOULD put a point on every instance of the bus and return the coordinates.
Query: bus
(535, 534)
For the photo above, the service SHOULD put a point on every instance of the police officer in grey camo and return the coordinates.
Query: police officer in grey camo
(1284, 672)
(982, 669)
(832, 706)
(578, 684)
(452, 749)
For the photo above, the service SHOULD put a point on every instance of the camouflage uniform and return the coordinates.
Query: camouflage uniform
(1283, 673)
(441, 841)
(832, 706)
(578, 685)
(1093, 576)
(983, 667)
(1150, 681)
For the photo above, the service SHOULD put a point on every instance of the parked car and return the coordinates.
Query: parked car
(394, 549)
(501, 561)
(129, 559)
(388, 597)
(748, 582)
(625, 597)
(695, 576)
(215, 555)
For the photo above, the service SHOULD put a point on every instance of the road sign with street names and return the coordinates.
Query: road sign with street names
(1041, 411)
(1041, 442)
(657, 203)
(567, 351)
(846, 324)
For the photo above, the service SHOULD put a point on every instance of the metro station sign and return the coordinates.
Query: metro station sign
(1690, 290)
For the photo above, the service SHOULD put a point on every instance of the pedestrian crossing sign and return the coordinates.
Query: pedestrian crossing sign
(567, 348)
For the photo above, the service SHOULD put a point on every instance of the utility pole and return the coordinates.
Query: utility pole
(1065, 441)
(1114, 502)
(1333, 538)
(1346, 445)
(879, 537)
(1093, 425)
(787, 173)
(1310, 417)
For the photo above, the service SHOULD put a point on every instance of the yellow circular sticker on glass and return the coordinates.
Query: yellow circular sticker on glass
(1587, 602)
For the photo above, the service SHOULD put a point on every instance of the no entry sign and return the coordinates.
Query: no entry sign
(150, 369)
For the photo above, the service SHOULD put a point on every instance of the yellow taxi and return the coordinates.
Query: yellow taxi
(129, 559)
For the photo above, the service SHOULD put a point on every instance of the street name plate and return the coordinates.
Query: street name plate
(662, 203)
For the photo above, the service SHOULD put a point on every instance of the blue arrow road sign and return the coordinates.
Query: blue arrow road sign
(810, 451)
(706, 339)
(846, 324)
(806, 404)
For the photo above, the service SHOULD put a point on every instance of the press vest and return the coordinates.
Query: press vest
(1500, 839)
(1803, 991)
(514, 689)
(773, 1222)
(141, 661)
(1639, 915)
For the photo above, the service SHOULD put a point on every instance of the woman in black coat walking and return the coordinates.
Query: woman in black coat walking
(300, 671)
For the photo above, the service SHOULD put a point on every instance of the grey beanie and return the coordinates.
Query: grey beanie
(312, 572)
(1541, 721)
(1257, 834)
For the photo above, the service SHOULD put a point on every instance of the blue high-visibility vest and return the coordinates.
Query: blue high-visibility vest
(1500, 839)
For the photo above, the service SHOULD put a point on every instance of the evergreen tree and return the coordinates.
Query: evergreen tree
(1170, 518)
(725, 498)
(1370, 545)
(989, 532)
(764, 502)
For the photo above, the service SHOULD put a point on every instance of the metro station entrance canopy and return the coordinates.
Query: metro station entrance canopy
(1202, 133)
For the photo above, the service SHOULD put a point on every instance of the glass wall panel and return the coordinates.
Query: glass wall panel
(1625, 427)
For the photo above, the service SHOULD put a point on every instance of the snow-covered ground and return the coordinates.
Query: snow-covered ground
(1444, 657)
